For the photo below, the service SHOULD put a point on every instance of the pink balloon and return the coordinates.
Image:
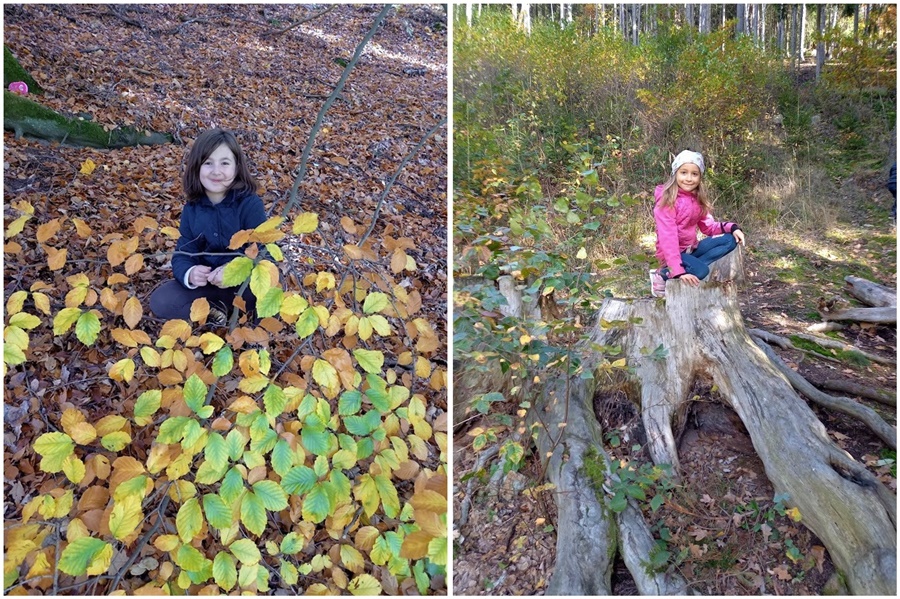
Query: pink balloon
(19, 87)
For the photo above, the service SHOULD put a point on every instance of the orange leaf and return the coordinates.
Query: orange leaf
(348, 225)
(199, 309)
(340, 160)
(169, 376)
(353, 252)
(125, 337)
(134, 263)
(239, 239)
(132, 312)
(398, 261)
(178, 328)
(145, 222)
(116, 278)
(48, 230)
(56, 259)
(117, 252)
(415, 545)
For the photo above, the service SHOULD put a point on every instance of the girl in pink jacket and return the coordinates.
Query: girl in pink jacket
(682, 206)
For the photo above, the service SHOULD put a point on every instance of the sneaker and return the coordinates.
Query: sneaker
(657, 285)
(216, 317)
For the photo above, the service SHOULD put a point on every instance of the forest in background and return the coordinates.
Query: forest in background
(565, 118)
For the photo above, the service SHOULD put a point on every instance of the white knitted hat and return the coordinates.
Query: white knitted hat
(689, 156)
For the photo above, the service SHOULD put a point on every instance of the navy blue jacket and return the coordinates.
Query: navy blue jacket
(208, 227)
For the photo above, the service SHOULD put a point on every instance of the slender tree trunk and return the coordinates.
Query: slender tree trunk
(468, 14)
(741, 19)
(802, 55)
(820, 46)
(856, 22)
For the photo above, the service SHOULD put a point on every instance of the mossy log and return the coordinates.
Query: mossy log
(13, 71)
(26, 117)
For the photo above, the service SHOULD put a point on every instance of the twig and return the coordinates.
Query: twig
(298, 23)
(483, 459)
(301, 172)
(396, 174)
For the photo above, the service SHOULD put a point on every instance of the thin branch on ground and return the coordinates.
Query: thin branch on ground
(298, 23)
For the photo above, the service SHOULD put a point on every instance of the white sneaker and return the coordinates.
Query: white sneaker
(657, 284)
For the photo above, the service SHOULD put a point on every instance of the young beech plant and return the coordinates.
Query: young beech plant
(234, 467)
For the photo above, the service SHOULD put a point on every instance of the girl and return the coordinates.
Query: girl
(222, 200)
(682, 205)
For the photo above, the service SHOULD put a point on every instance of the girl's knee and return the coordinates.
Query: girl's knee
(730, 241)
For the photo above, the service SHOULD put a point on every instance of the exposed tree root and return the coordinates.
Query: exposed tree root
(844, 405)
(858, 390)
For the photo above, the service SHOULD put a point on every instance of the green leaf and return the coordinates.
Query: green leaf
(189, 558)
(223, 362)
(349, 403)
(218, 514)
(344, 459)
(253, 513)
(274, 400)
(87, 328)
(275, 251)
(307, 323)
(64, 320)
(656, 502)
(365, 584)
(375, 302)
(136, 486)
(216, 449)
(224, 571)
(437, 550)
(260, 282)
(12, 354)
(619, 502)
(24, 320)
(299, 480)
(232, 486)
(146, 406)
(292, 543)
(126, 515)
(235, 443)
(116, 441)
(317, 442)
(288, 572)
(636, 492)
(237, 271)
(371, 360)
(210, 471)
(270, 304)
(271, 494)
(192, 433)
(316, 504)
(388, 493)
(325, 374)
(78, 554)
(380, 324)
(246, 551)
(54, 449)
(194, 393)
(282, 457)
(189, 520)
(172, 429)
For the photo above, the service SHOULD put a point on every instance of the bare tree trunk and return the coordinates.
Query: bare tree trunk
(741, 19)
(856, 22)
(468, 14)
(802, 53)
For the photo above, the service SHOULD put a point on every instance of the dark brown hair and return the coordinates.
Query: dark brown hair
(205, 145)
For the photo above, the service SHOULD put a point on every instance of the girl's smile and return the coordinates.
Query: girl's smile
(688, 176)
(217, 173)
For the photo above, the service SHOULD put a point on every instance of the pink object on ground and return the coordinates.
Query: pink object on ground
(19, 87)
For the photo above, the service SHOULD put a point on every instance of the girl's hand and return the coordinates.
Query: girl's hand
(198, 275)
(739, 236)
(689, 279)
(215, 277)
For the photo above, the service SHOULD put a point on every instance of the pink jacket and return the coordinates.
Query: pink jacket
(676, 228)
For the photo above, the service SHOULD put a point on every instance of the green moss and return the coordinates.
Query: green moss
(851, 357)
(13, 71)
(26, 117)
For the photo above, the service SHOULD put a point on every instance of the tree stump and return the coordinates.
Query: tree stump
(702, 333)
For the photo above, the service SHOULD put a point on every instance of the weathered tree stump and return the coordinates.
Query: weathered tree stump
(702, 332)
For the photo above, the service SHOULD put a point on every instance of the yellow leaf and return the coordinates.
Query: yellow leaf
(101, 561)
(82, 228)
(211, 343)
(118, 252)
(794, 514)
(110, 424)
(132, 312)
(123, 370)
(166, 542)
(171, 232)
(40, 566)
(324, 280)
(41, 302)
(423, 367)
(150, 357)
(17, 225)
(83, 433)
(48, 230)
(582, 254)
(306, 222)
(87, 167)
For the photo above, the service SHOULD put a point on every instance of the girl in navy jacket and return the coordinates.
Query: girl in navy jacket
(222, 200)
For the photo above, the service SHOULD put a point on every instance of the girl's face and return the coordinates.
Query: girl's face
(217, 173)
(688, 176)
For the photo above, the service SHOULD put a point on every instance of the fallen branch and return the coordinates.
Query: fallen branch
(844, 405)
(871, 293)
(840, 345)
(882, 315)
(466, 504)
(298, 23)
(858, 390)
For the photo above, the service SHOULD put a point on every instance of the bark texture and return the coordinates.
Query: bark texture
(703, 332)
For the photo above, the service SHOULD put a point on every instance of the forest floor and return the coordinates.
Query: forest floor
(726, 533)
(183, 69)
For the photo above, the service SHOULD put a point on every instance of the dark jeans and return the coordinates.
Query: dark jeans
(173, 300)
(708, 251)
